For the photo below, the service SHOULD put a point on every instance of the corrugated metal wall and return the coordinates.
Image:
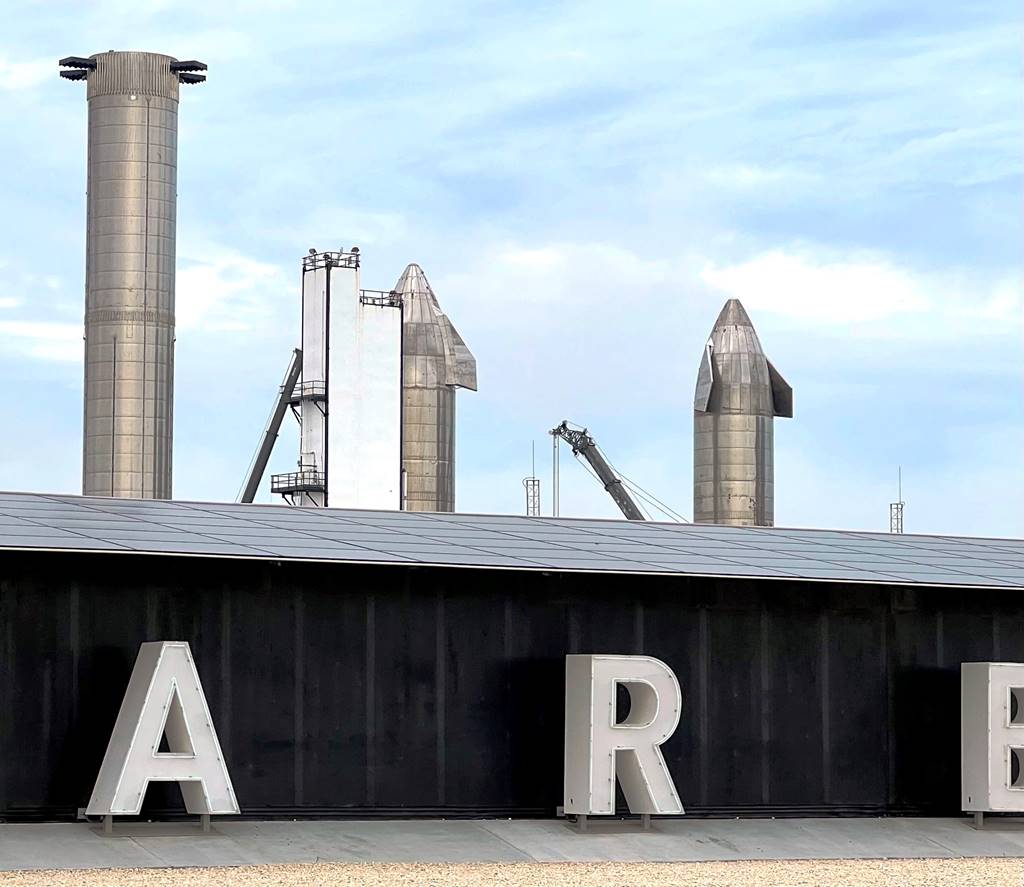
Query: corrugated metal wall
(341, 690)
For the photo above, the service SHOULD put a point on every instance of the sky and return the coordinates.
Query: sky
(584, 184)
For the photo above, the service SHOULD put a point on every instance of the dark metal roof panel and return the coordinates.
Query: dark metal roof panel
(75, 523)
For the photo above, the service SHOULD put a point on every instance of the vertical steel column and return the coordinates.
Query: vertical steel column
(130, 259)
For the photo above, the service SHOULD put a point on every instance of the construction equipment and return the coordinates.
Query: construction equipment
(583, 444)
(285, 397)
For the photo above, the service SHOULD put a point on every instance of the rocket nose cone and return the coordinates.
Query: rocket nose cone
(733, 332)
(421, 305)
(413, 281)
(733, 314)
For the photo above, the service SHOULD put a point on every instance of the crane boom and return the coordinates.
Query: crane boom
(284, 395)
(584, 445)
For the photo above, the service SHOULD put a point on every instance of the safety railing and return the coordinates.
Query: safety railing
(305, 481)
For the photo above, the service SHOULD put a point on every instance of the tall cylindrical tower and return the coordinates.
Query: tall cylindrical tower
(435, 361)
(129, 269)
(738, 395)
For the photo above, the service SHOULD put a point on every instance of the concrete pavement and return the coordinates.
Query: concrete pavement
(72, 846)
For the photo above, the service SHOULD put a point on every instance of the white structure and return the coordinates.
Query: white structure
(599, 746)
(365, 401)
(164, 698)
(992, 737)
(349, 400)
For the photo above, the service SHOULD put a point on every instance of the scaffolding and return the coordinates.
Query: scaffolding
(896, 508)
(532, 485)
(896, 517)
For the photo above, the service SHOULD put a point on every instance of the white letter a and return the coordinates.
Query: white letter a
(164, 696)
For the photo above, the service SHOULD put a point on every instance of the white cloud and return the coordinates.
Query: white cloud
(749, 177)
(25, 75)
(578, 325)
(861, 288)
(837, 292)
(346, 227)
(42, 339)
(560, 277)
(221, 289)
(217, 290)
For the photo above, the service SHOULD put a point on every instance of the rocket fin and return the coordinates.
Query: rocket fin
(782, 393)
(460, 365)
(705, 381)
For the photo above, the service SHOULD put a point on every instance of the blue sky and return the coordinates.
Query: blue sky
(584, 183)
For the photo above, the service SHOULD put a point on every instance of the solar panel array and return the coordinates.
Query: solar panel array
(74, 523)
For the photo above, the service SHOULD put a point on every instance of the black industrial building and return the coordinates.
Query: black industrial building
(369, 664)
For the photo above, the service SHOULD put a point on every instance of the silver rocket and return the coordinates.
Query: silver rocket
(738, 395)
(129, 269)
(435, 361)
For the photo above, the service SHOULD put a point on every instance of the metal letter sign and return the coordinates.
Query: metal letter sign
(164, 696)
(992, 737)
(598, 744)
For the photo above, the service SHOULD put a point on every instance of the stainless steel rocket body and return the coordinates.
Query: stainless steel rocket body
(738, 395)
(435, 361)
(130, 261)
(428, 447)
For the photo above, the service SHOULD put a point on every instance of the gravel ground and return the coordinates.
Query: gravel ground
(816, 873)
